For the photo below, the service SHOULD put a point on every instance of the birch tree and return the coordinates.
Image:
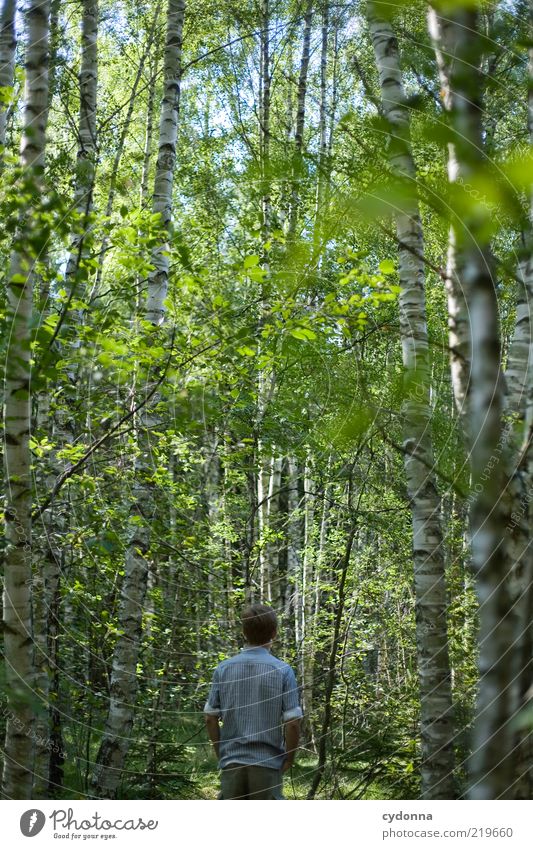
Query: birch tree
(8, 44)
(428, 554)
(491, 745)
(297, 163)
(87, 147)
(166, 159)
(123, 684)
(518, 409)
(442, 35)
(18, 649)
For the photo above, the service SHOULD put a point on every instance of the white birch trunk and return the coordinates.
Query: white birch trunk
(212, 496)
(519, 385)
(87, 152)
(264, 114)
(490, 765)
(297, 164)
(273, 545)
(123, 688)
(18, 648)
(307, 645)
(122, 141)
(429, 572)
(166, 159)
(8, 44)
(292, 601)
(460, 345)
(322, 134)
(123, 685)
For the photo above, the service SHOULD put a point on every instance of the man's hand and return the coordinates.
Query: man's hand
(292, 738)
(213, 731)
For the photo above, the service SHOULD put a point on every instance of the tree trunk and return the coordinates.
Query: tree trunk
(331, 673)
(460, 344)
(122, 141)
(436, 724)
(322, 133)
(123, 689)
(292, 599)
(519, 384)
(8, 44)
(307, 644)
(297, 162)
(490, 765)
(264, 115)
(166, 159)
(18, 648)
(87, 150)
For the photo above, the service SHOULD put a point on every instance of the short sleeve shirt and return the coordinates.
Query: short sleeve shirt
(253, 693)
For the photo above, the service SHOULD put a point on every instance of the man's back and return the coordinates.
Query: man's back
(253, 693)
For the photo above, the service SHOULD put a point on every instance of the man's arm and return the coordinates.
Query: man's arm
(292, 738)
(213, 730)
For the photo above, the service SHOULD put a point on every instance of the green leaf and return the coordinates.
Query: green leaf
(303, 333)
(386, 266)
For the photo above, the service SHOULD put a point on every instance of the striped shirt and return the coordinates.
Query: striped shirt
(253, 693)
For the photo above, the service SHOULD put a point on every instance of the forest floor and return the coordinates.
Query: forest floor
(188, 770)
(297, 783)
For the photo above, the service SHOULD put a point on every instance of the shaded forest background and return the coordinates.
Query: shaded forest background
(266, 288)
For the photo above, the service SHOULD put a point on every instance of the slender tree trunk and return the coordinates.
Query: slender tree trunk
(307, 647)
(18, 648)
(116, 739)
(273, 526)
(265, 375)
(8, 44)
(331, 674)
(297, 162)
(166, 160)
(459, 331)
(122, 141)
(87, 148)
(264, 115)
(436, 721)
(490, 765)
(519, 383)
(292, 600)
(322, 132)
(211, 487)
(148, 138)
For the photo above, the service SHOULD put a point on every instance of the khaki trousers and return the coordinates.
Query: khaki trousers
(241, 781)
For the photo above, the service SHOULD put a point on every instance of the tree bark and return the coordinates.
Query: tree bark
(436, 720)
(459, 330)
(490, 764)
(166, 160)
(519, 395)
(18, 648)
(123, 688)
(122, 141)
(8, 44)
(297, 162)
(87, 147)
(307, 649)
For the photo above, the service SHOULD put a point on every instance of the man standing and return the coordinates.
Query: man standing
(255, 695)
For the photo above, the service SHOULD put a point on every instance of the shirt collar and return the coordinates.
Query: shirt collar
(256, 648)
